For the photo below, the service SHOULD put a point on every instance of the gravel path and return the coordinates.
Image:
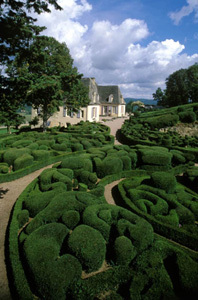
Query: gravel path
(108, 191)
(114, 126)
(9, 192)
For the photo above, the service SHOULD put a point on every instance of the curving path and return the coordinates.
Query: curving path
(114, 126)
(108, 191)
(9, 192)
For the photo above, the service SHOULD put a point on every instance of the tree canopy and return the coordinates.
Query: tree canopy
(17, 30)
(17, 26)
(181, 88)
(48, 79)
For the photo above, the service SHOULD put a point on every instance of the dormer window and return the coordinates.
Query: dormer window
(94, 97)
(110, 100)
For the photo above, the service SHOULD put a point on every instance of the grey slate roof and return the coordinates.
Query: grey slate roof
(106, 91)
(103, 91)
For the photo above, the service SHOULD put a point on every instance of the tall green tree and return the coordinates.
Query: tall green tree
(181, 87)
(17, 29)
(192, 73)
(177, 88)
(160, 96)
(9, 116)
(17, 25)
(48, 79)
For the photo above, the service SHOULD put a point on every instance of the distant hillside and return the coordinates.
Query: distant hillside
(145, 101)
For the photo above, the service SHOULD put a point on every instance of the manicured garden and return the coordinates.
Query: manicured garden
(24, 152)
(145, 128)
(67, 242)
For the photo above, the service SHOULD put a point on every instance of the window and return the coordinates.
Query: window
(38, 111)
(110, 100)
(82, 113)
(78, 114)
(64, 111)
(94, 112)
(70, 113)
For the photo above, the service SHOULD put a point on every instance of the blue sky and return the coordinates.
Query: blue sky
(136, 44)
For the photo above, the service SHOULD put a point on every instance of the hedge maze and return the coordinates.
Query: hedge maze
(67, 242)
(145, 129)
(25, 152)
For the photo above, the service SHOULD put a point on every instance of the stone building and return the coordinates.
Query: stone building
(104, 101)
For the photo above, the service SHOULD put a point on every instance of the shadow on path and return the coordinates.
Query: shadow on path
(119, 137)
(3, 192)
(116, 196)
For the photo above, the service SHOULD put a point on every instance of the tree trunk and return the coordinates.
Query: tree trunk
(8, 129)
(45, 118)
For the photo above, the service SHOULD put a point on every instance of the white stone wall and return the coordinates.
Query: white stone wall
(93, 112)
(58, 119)
(121, 110)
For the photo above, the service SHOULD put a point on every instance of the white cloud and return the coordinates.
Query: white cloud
(185, 11)
(112, 53)
(64, 25)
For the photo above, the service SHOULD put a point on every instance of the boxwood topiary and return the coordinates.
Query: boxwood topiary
(23, 217)
(41, 155)
(10, 155)
(88, 245)
(124, 250)
(110, 165)
(187, 116)
(71, 218)
(164, 181)
(52, 274)
(23, 161)
(3, 169)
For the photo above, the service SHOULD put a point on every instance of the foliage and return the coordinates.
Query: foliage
(47, 76)
(88, 245)
(181, 86)
(159, 96)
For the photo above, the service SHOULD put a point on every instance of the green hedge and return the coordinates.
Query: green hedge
(36, 166)
(20, 285)
(52, 275)
(23, 161)
(164, 181)
(171, 232)
(88, 245)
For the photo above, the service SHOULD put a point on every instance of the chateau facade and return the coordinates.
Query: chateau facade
(104, 101)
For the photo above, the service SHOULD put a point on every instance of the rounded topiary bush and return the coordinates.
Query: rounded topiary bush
(22, 143)
(124, 250)
(10, 155)
(187, 116)
(72, 163)
(53, 273)
(88, 178)
(33, 146)
(110, 165)
(88, 245)
(77, 147)
(164, 181)
(71, 218)
(23, 217)
(3, 169)
(60, 147)
(67, 172)
(41, 155)
(23, 161)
